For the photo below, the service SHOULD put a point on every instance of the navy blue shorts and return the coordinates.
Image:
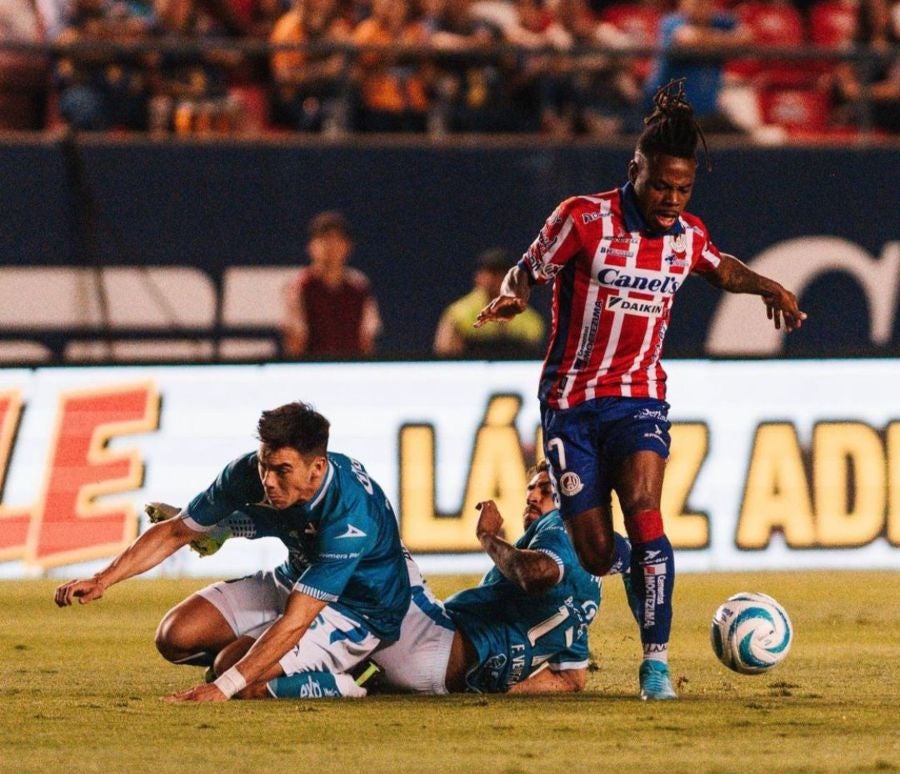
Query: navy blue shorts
(586, 444)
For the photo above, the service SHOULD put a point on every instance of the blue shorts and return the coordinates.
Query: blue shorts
(586, 444)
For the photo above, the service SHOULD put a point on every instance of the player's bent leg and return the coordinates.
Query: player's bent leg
(319, 665)
(193, 632)
(232, 653)
(594, 540)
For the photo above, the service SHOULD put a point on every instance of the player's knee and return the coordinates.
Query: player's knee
(577, 679)
(173, 640)
(596, 556)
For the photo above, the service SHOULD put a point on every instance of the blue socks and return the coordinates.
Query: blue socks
(653, 580)
(315, 685)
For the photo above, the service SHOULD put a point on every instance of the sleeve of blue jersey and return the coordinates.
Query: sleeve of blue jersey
(551, 538)
(218, 501)
(343, 542)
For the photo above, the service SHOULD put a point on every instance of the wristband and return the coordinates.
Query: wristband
(230, 682)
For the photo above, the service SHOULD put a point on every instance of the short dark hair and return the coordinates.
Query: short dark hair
(495, 259)
(671, 128)
(539, 467)
(296, 425)
(330, 220)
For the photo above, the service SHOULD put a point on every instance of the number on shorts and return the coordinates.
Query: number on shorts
(556, 443)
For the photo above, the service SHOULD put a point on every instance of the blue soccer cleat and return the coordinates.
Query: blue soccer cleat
(655, 684)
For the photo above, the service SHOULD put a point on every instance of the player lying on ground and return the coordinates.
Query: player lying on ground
(342, 591)
(616, 260)
(532, 609)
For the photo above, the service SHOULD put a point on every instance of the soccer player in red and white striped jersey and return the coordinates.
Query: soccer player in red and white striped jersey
(616, 260)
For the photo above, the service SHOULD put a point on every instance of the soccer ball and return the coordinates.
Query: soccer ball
(750, 633)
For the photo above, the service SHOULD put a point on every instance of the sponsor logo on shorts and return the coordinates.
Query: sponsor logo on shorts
(646, 413)
(630, 306)
(656, 435)
(570, 483)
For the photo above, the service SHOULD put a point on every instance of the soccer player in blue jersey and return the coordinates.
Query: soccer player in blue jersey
(343, 590)
(531, 610)
(616, 260)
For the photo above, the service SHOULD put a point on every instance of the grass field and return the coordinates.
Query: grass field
(80, 691)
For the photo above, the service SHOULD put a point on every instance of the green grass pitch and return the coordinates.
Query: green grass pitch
(80, 692)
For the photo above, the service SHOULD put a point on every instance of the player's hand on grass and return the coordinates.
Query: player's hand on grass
(501, 309)
(490, 522)
(781, 305)
(83, 590)
(199, 693)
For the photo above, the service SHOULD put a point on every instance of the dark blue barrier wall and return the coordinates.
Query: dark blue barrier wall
(423, 212)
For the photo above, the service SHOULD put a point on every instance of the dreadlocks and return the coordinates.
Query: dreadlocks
(671, 128)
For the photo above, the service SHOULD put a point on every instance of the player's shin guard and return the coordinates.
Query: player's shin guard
(653, 580)
(315, 685)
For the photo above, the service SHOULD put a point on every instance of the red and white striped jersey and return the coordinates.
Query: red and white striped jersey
(614, 282)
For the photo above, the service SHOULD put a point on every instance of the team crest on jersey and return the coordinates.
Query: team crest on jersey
(570, 483)
(679, 243)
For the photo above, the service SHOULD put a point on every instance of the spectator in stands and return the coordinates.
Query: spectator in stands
(698, 25)
(100, 90)
(311, 87)
(23, 75)
(197, 85)
(600, 95)
(537, 82)
(330, 310)
(393, 91)
(520, 337)
(470, 83)
(875, 87)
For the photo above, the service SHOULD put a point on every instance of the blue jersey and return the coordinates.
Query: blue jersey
(343, 545)
(514, 632)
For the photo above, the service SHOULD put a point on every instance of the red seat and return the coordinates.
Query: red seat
(797, 110)
(773, 23)
(832, 23)
(640, 23)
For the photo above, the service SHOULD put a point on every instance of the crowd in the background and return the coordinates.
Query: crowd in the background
(443, 66)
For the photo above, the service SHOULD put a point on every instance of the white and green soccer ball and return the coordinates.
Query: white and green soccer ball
(751, 633)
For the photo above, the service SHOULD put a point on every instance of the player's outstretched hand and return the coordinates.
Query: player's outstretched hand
(84, 590)
(781, 304)
(490, 522)
(501, 309)
(204, 692)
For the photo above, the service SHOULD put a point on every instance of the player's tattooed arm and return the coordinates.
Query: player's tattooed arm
(513, 299)
(736, 277)
(533, 571)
